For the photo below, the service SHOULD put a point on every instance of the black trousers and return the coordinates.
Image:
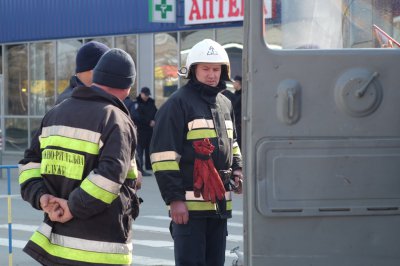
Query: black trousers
(143, 148)
(201, 242)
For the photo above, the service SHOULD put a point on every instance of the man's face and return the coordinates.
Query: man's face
(208, 73)
(144, 96)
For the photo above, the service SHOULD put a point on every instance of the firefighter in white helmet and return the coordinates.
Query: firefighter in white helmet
(196, 159)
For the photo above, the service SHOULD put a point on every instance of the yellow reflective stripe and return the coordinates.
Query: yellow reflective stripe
(68, 143)
(72, 133)
(229, 124)
(201, 134)
(236, 151)
(29, 174)
(97, 192)
(165, 156)
(200, 123)
(84, 244)
(68, 164)
(189, 196)
(165, 166)
(133, 171)
(206, 205)
(79, 255)
(28, 166)
(230, 133)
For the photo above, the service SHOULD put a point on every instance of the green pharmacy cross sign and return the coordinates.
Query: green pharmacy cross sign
(162, 11)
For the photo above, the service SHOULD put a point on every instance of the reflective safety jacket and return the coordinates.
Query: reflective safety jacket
(194, 112)
(83, 152)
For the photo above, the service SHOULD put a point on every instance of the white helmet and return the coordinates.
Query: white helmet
(207, 51)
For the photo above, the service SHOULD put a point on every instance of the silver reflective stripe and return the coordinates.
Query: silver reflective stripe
(228, 124)
(165, 156)
(190, 196)
(28, 166)
(200, 123)
(84, 244)
(235, 145)
(74, 133)
(104, 183)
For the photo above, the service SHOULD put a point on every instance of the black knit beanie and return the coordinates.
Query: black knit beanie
(115, 69)
(88, 56)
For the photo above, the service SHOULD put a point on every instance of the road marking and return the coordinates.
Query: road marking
(20, 227)
(15, 243)
(137, 259)
(140, 260)
(145, 228)
(13, 196)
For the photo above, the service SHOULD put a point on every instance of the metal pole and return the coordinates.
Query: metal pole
(10, 261)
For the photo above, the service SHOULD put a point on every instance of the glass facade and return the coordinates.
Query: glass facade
(165, 65)
(36, 73)
(41, 77)
(333, 24)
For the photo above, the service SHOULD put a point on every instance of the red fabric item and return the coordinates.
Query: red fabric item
(206, 178)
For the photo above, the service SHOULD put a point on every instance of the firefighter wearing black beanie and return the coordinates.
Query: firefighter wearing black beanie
(115, 69)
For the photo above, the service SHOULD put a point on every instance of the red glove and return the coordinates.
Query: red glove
(206, 178)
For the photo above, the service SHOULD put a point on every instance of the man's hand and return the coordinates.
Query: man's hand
(179, 212)
(49, 207)
(138, 183)
(238, 178)
(65, 215)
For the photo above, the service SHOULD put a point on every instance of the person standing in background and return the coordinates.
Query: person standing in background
(86, 59)
(144, 119)
(237, 107)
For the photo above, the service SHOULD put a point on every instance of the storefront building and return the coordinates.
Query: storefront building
(39, 41)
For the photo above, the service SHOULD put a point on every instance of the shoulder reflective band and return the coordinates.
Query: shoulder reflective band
(200, 129)
(29, 171)
(71, 138)
(201, 134)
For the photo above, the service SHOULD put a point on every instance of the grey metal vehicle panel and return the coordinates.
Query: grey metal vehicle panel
(322, 153)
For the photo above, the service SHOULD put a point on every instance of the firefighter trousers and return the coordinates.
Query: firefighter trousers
(200, 242)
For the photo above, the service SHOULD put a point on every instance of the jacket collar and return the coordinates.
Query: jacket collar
(94, 93)
(208, 93)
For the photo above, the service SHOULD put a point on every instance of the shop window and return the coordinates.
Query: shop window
(129, 45)
(331, 24)
(106, 40)
(16, 80)
(166, 66)
(232, 40)
(42, 77)
(66, 54)
(16, 134)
